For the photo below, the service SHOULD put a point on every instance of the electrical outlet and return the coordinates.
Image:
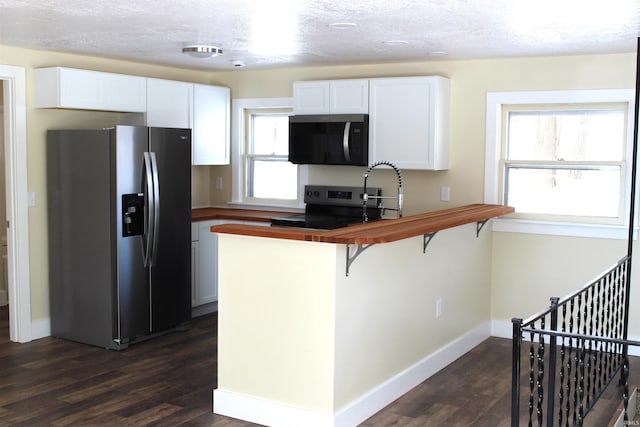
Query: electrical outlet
(438, 308)
(444, 194)
(219, 183)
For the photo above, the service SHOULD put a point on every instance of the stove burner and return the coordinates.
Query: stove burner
(321, 222)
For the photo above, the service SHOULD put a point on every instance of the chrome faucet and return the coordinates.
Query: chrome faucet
(366, 196)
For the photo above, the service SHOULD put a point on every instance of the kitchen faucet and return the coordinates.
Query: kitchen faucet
(366, 196)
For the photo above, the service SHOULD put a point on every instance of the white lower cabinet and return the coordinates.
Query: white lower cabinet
(204, 252)
(207, 264)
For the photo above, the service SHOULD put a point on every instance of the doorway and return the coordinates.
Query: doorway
(4, 295)
(17, 221)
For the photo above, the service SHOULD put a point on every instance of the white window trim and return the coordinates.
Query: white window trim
(238, 107)
(495, 101)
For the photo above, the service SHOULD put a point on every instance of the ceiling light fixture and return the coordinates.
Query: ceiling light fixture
(201, 51)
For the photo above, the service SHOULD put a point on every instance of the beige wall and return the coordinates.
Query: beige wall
(296, 309)
(470, 81)
(38, 121)
(527, 269)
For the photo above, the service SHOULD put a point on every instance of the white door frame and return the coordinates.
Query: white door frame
(15, 133)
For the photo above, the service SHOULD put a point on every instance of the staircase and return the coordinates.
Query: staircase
(633, 412)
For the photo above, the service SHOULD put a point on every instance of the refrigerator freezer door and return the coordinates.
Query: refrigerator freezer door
(171, 269)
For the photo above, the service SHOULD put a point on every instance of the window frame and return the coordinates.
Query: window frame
(238, 137)
(494, 160)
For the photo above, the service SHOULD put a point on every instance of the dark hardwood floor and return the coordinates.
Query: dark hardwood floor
(168, 381)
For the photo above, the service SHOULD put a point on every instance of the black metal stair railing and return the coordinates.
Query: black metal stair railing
(576, 347)
(588, 328)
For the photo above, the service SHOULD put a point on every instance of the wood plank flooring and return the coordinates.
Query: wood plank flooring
(168, 381)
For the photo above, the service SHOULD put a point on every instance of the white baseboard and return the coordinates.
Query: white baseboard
(265, 412)
(4, 297)
(201, 310)
(40, 328)
(277, 414)
(504, 329)
(501, 329)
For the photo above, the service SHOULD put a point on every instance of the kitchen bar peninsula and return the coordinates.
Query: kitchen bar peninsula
(302, 343)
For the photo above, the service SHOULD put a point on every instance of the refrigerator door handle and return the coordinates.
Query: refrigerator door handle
(156, 207)
(149, 227)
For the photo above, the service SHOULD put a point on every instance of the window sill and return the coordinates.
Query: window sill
(265, 207)
(596, 231)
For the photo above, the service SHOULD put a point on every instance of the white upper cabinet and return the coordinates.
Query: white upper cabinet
(350, 96)
(166, 103)
(169, 103)
(57, 87)
(211, 125)
(202, 108)
(409, 122)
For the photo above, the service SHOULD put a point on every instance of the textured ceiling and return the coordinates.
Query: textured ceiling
(275, 33)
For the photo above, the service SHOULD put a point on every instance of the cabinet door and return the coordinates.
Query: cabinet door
(169, 103)
(211, 125)
(195, 288)
(349, 96)
(311, 97)
(207, 269)
(207, 280)
(58, 87)
(409, 122)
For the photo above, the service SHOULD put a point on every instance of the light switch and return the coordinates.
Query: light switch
(31, 199)
(444, 194)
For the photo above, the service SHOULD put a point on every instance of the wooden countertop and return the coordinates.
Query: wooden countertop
(381, 231)
(204, 214)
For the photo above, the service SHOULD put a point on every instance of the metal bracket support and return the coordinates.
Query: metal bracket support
(479, 226)
(359, 249)
(426, 239)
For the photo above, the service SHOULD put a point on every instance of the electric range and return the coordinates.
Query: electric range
(329, 207)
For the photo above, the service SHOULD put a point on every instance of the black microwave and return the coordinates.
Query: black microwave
(332, 139)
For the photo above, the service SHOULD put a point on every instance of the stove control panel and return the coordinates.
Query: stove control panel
(336, 195)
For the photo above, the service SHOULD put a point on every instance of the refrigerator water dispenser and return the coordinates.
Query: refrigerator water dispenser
(132, 214)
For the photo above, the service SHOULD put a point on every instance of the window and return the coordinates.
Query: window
(269, 174)
(560, 158)
(262, 173)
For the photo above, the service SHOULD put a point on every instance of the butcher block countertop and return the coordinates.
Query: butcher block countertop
(381, 231)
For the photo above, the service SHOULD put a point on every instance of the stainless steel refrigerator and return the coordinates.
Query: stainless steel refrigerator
(119, 220)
